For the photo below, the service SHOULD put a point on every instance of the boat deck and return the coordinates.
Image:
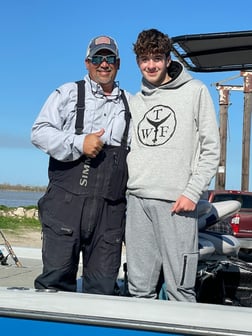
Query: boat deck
(20, 302)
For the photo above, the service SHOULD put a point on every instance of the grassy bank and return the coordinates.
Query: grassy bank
(16, 223)
(13, 223)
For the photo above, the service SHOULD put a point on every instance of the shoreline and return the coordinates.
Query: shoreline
(19, 187)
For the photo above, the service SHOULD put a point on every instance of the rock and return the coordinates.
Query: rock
(19, 212)
(31, 213)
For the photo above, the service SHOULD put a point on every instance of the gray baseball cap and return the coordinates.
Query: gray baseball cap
(100, 43)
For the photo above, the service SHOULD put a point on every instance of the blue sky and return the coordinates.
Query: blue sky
(43, 45)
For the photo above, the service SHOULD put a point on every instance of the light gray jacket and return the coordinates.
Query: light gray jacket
(54, 129)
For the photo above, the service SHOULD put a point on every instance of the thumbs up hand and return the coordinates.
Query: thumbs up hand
(93, 144)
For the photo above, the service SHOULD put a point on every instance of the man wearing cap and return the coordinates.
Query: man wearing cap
(83, 209)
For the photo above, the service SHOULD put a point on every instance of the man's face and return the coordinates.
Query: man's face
(103, 69)
(154, 68)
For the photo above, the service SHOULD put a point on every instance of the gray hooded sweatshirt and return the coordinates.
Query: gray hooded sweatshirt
(175, 142)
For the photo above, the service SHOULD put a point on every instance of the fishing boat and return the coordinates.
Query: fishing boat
(31, 312)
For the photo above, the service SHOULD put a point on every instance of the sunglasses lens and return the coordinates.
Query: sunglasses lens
(98, 59)
(111, 59)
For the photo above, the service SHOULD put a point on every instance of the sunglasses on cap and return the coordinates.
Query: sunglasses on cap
(98, 59)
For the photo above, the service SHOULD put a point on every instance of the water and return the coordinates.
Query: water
(11, 198)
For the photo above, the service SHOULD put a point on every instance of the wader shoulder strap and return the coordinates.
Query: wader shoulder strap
(80, 107)
(127, 117)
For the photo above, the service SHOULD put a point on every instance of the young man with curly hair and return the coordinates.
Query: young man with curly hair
(174, 155)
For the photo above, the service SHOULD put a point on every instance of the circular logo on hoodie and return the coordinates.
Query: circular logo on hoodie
(157, 126)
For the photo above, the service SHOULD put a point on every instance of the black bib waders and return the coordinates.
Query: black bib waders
(84, 210)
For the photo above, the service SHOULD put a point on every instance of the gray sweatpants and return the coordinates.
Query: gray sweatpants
(157, 239)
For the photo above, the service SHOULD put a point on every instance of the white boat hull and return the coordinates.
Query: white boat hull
(86, 314)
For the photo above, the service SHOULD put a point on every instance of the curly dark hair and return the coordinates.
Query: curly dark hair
(152, 41)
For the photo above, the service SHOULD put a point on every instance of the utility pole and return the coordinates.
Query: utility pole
(224, 93)
(246, 129)
(220, 179)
